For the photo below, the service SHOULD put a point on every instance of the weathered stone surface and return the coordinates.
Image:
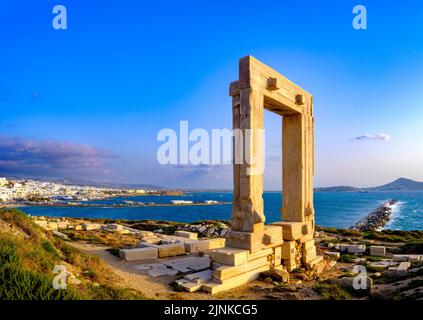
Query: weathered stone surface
(186, 234)
(343, 247)
(255, 241)
(278, 274)
(296, 230)
(139, 254)
(288, 250)
(229, 256)
(383, 264)
(316, 262)
(309, 245)
(403, 267)
(52, 226)
(234, 282)
(252, 241)
(145, 233)
(277, 256)
(60, 235)
(189, 264)
(309, 255)
(200, 277)
(356, 248)
(407, 257)
(226, 272)
(91, 226)
(272, 235)
(161, 270)
(291, 230)
(204, 245)
(62, 225)
(333, 255)
(377, 251)
(170, 250)
(41, 223)
(259, 254)
(115, 227)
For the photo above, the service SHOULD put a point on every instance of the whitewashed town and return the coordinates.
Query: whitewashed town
(20, 190)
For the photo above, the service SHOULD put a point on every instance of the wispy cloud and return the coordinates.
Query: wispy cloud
(32, 157)
(378, 136)
(202, 170)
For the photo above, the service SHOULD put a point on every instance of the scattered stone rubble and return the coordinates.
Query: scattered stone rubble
(219, 267)
(398, 263)
(56, 224)
(206, 229)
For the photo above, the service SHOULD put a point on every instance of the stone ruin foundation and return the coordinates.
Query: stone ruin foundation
(251, 246)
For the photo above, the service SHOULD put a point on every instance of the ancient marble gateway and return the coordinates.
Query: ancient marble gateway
(251, 246)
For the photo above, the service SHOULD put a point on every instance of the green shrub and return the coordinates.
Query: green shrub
(105, 292)
(113, 251)
(27, 262)
(16, 282)
(413, 247)
(348, 258)
(331, 291)
(21, 221)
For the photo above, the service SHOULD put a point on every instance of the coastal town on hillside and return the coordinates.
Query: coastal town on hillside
(18, 192)
(21, 190)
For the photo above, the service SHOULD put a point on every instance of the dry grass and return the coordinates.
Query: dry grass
(28, 256)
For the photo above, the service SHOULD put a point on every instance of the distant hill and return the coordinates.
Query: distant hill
(337, 189)
(401, 184)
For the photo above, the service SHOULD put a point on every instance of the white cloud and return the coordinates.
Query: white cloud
(378, 136)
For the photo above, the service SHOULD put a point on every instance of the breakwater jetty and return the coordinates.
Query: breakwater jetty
(377, 219)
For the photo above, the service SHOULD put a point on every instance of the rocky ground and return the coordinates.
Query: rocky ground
(342, 249)
(392, 261)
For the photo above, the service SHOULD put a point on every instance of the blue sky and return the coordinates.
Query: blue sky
(88, 102)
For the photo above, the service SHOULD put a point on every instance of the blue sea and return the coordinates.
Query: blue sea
(333, 209)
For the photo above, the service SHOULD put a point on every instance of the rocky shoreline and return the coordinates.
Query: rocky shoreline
(377, 219)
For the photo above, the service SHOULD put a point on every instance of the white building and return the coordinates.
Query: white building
(211, 201)
(6, 194)
(3, 182)
(181, 202)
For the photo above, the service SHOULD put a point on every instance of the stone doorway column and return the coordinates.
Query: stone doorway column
(259, 87)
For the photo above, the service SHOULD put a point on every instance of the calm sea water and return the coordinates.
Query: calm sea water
(333, 209)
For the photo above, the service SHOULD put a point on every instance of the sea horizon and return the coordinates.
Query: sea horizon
(332, 209)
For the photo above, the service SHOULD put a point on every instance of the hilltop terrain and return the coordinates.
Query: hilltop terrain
(401, 184)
